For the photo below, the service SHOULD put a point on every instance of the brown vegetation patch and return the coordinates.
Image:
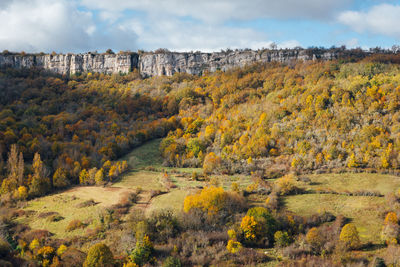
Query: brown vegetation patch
(47, 214)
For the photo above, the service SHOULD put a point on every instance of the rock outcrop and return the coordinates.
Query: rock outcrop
(152, 64)
(163, 63)
(74, 63)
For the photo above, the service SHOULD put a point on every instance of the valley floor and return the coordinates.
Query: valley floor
(338, 194)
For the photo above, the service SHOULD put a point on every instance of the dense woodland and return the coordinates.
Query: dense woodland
(265, 120)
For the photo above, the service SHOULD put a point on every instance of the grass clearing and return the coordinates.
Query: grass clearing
(363, 211)
(105, 196)
(146, 180)
(145, 155)
(354, 182)
(172, 201)
(67, 204)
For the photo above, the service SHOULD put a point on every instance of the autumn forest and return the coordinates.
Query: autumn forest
(273, 164)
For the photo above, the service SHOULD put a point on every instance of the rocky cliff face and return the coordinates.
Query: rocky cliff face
(153, 64)
(71, 63)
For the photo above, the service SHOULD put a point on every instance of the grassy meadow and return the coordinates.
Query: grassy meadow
(366, 212)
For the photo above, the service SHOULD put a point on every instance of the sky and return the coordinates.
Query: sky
(200, 25)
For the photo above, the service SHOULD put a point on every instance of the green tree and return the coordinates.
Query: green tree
(60, 179)
(282, 239)
(258, 225)
(142, 252)
(99, 255)
(99, 177)
(40, 183)
(172, 262)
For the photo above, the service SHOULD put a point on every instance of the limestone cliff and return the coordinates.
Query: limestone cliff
(152, 64)
(164, 63)
(73, 63)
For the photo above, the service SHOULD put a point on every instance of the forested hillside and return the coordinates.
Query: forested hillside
(271, 164)
(303, 117)
(268, 119)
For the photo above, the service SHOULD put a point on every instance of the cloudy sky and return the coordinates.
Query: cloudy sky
(185, 25)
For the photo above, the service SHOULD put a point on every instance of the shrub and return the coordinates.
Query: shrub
(34, 244)
(61, 249)
(390, 233)
(211, 163)
(349, 236)
(142, 252)
(5, 248)
(73, 257)
(55, 218)
(162, 226)
(74, 224)
(272, 201)
(22, 193)
(212, 200)
(257, 225)
(235, 187)
(314, 238)
(233, 246)
(251, 229)
(172, 262)
(87, 203)
(46, 252)
(99, 255)
(391, 218)
(282, 239)
(286, 185)
(60, 178)
(232, 234)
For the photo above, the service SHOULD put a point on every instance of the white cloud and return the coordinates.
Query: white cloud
(47, 25)
(178, 35)
(36, 25)
(352, 43)
(221, 10)
(289, 44)
(380, 19)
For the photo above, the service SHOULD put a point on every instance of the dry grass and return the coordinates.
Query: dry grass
(172, 201)
(67, 204)
(105, 196)
(144, 179)
(363, 211)
(354, 182)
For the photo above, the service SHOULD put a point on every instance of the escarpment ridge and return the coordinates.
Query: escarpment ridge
(164, 62)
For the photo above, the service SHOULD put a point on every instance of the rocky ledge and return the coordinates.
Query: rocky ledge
(165, 62)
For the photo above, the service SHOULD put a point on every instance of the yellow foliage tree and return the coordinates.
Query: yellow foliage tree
(349, 236)
(83, 176)
(46, 252)
(233, 246)
(113, 173)
(22, 192)
(99, 255)
(391, 218)
(250, 228)
(352, 163)
(61, 249)
(34, 244)
(99, 177)
(313, 237)
(211, 199)
(60, 178)
(286, 185)
(211, 163)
